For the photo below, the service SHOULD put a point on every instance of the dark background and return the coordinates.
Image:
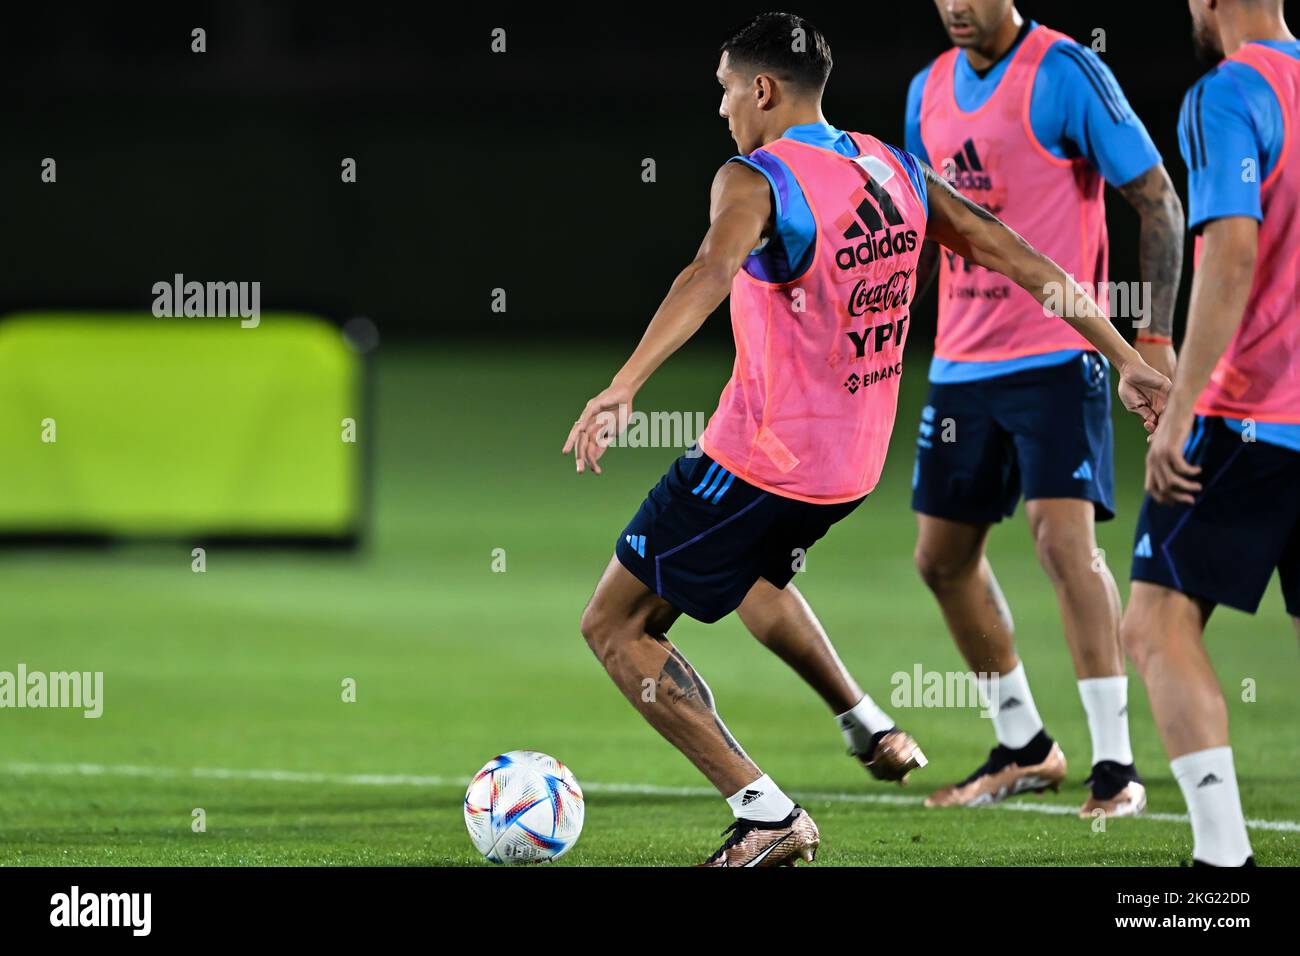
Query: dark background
(476, 170)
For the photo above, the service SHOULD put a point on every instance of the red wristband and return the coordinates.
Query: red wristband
(1155, 339)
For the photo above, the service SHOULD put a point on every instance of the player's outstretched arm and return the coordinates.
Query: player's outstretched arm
(740, 210)
(1220, 290)
(980, 237)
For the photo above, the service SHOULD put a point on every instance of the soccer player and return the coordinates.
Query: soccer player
(1223, 468)
(1030, 125)
(800, 434)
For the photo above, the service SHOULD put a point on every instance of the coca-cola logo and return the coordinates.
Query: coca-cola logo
(886, 296)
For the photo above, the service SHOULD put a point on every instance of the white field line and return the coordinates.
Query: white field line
(420, 780)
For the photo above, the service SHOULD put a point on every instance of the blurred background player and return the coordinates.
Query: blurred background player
(1223, 469)
(801, 431)
(1027, 123)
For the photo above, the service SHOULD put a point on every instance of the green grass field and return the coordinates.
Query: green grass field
(223, 689)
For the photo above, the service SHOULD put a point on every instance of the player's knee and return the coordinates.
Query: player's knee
(596, 630)
(606, 632)
(941, 571)
(1138, 638)
(1062, 551)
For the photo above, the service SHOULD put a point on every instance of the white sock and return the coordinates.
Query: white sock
(1209, 784)
(1105, 699)
(1015, 718)
(760, 800)
(862, 723)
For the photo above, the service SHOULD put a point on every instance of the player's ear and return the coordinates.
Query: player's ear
(764, 91)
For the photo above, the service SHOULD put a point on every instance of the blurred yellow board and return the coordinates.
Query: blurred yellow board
(123, 424)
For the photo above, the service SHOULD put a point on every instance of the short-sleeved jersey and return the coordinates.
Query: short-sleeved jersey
(1076, 111)
(1234, 136)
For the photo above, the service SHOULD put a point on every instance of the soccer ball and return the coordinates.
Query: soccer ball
(523, 807)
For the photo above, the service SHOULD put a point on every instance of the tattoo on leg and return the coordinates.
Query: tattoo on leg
(682, 685)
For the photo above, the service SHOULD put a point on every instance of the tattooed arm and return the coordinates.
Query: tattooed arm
(977, 235)
(1160, 250)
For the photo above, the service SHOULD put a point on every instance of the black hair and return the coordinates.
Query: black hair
(785, 45)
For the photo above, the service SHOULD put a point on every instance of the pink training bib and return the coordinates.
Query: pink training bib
(992, 157)
(810, 405)
(1258, 377)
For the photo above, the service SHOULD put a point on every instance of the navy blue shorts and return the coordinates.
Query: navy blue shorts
(703, 537)
(1045, 432)
(1244, 525)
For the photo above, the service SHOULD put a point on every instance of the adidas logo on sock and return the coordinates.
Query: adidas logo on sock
(1207, 780)
(1009, 703)
(750, 796)
(1083, 472)
(1143, 549)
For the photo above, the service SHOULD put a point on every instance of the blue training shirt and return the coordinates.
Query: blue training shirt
(1077, 110)
(788, 253)
(1235, 106)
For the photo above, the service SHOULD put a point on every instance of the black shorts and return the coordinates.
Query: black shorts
(1244, 525)
(703, 536)
(1044, 432)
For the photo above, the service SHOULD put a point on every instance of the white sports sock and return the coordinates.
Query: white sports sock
(1209, 784)
(1105, 700)
(1015, 718)
(760, 800)
(862, 723)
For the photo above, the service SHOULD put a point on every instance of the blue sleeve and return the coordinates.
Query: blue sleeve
(912, 118)
(1079, 110)
(794, 226)
(913, 167)
(1237, 108)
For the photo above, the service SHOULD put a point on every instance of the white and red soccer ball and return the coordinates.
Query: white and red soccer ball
(523, 807)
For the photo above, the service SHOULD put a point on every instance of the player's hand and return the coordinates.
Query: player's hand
(600, 422)
(1143, 391)
(1159, 355)
(1170, 478)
